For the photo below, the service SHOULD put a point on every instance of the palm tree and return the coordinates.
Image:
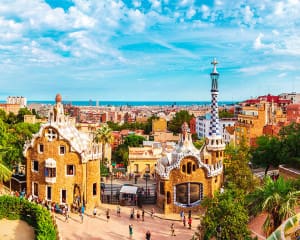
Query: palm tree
(278, 199)
(104, 135)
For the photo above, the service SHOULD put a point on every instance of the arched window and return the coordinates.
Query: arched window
(189, 168)
(188, 194)
(183, 168)
(194, 167)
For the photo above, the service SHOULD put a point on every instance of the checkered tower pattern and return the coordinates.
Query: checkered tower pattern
(214, 121)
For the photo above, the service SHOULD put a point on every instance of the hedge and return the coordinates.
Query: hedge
(35, 215)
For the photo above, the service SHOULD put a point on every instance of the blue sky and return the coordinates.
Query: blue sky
(148, 49)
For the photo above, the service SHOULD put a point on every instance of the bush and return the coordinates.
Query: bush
(35, 215)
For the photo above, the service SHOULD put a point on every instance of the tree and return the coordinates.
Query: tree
(267, 153)
(237, 170)
(133, 140)
(104, 135)
(225, 114)
(226, 211)
(5, 172)
(180, 117)
(278, 198)
(21, 113)
(199, 143)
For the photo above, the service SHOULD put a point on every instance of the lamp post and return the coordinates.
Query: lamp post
(111, 192)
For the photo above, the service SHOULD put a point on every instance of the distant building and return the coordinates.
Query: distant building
(293, 97)
(159, 125)
(63, 164)
(203, 125)
(22, 101)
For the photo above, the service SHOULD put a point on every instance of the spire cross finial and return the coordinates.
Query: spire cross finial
(214, 62)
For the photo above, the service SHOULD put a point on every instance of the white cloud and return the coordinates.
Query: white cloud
(137, 20)
(186, 3)
(190, 13)
(136, 3)
(205, 11)
(281, 75)
(248, 14)
(155, 4)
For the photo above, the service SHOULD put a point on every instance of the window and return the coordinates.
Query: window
(147, 168)
(206, 161)
(63, 195)
(35, 189)
(40, 148)
(51, 134)
(62, 150)
(183, 168)
(187, 194)
(50, 172)
(136, 168)
(70, 170)
(94, 189)
(49, 193)
(194, 167)
(189, 168)
(162, 188)
(217, 154)
(35, 166)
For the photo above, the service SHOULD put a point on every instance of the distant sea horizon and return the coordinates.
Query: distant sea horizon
(131, 103)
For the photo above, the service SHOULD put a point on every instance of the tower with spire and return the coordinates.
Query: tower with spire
(215, 142)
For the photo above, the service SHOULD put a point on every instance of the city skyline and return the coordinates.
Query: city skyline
(149, 50)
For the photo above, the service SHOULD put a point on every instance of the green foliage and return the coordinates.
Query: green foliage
(180, 117)
(21, 113)
(285, 149)
(226, 210)
(225, 114)
(277, 198)
(199, 143)
(35, 215)
(147, 127)
(237, 170)
(104, 135)
(133, 140)
(120, 155)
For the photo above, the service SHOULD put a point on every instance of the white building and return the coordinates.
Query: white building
(22, 101)
(203, 125)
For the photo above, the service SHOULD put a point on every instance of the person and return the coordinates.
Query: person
(107, 214)
(143, 215)
(82, 213)
(130, 231)
(95, 212)
(119, 211)
(152, 212)
(181, 215)
(138, 215)
(190, 222)
(184, 221)
(172, 230)
(67, 213)
(148, 235)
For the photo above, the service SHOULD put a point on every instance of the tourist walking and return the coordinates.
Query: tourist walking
(148, 235)
(107, 214)
(190, 222)
(82, 213)
(67, 213)
(138, 215)
(118, 211)
(130, 231)
(172, 230)
(152, 212)
(94, 212)
(184, 221)
(143, 215)
(181, 215)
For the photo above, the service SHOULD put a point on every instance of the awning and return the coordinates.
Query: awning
(129, 189)
(50, 163)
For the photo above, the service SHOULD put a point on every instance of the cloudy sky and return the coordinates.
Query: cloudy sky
(148, 49)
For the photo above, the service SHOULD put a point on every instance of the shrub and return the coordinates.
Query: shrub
(35, 215)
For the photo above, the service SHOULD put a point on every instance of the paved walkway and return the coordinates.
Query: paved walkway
(117, 227)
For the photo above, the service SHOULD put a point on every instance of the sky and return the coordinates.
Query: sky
(150, 50)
